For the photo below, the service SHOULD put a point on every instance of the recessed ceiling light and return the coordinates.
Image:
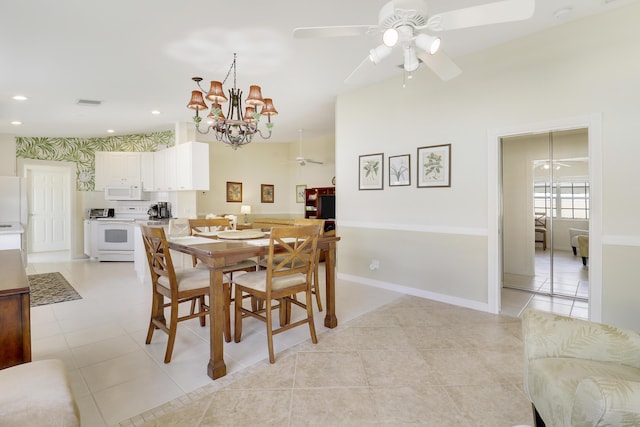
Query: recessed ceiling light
(562, 13)
(20, 98)
(110, 131)
(155, 112)
(16, 123)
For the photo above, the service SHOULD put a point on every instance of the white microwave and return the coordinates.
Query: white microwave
(124, 192)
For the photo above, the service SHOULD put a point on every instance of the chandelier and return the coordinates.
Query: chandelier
(237, 128)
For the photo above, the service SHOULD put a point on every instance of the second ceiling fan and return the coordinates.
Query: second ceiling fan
(405, 23)
(302, 161)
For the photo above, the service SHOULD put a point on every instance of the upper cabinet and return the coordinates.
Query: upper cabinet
(147, 171)
(192, 166)
(179, 168)
(117, 167)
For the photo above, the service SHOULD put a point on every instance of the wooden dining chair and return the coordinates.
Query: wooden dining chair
(185, 285)
(315, 287)
(283, 278)
(204, 228)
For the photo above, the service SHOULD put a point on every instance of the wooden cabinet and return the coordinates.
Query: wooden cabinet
(147, 171)
(117, 167)
(179, 168)
(192, 166)
(320, 202)
(15, 329)
(182, 167)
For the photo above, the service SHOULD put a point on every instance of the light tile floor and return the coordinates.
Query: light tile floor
(410, 362)
(100, 337)
(440, 361)
(571, 282)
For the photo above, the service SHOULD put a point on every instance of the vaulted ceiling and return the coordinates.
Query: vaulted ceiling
(139, 56)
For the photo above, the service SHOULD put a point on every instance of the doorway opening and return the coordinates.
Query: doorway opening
(51, 196)
(593, 125)
(545, 207)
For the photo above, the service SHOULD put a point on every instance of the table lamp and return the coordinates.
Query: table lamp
(246, 210)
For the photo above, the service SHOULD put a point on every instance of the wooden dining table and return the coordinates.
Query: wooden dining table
(217, 254)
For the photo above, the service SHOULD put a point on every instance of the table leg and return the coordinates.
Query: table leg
(330, 319)
(216, 367)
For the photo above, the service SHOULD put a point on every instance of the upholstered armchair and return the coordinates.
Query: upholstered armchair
(583, 248)
(573, 238)
(580, 373)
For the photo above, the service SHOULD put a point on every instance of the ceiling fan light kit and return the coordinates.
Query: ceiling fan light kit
(237, 128)
(379, 53)
(390, 37)
(406, 23)
(428, 43)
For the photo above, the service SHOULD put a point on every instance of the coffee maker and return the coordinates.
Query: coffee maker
(160, 210)
(164, 210)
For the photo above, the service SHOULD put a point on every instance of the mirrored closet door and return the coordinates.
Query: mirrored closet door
(545, 213)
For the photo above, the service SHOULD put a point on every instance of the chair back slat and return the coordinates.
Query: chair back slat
(296, 251)
(158, 255)
(310, 221)
(209, 224)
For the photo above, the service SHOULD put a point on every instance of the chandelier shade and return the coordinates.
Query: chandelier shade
(196, 102)
(216, 93)
(268, 109)
(255, 96)
(236, 129)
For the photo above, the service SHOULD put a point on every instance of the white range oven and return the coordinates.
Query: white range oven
(114, 239)
(114, 236)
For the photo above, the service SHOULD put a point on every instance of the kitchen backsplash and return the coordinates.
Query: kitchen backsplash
(81, 151)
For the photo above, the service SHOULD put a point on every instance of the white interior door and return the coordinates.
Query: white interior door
(49, 210)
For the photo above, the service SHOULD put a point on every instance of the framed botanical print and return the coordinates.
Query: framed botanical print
(371, 168)
(399, 170)
(234, 191)
(434, 166)
(300, 193)
(266, 192)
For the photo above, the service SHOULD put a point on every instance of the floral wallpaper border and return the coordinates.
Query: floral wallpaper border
(81, 151)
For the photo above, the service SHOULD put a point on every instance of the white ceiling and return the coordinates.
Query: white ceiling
(139, 55)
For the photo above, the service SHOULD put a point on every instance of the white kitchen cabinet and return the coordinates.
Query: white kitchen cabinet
(159, 175)
(182, 167)
(147, 171)
(11, 241)
(192, 166)
(117, 167)
(87, 237)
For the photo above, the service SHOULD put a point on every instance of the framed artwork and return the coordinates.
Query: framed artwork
(266, 193)
(399, 170)
(300, 193)
(370, 171)
(234, 191)
(434, 166)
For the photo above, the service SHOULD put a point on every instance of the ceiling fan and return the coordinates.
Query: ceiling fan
(301, 159)
(405, 23)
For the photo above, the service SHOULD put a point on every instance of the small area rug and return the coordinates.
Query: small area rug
(50, 288)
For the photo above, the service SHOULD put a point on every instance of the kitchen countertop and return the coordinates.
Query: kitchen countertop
(11, 228)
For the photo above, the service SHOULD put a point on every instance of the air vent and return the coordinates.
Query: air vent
(89, 102)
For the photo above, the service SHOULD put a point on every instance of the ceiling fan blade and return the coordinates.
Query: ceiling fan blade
(441, 64)
(360, 71)
(337, 31)
(484, 14)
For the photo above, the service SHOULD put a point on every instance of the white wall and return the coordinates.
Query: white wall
(565, 72)
(7, 155)
(266, 163)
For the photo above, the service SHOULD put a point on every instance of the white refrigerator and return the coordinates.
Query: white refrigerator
(14, 214)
